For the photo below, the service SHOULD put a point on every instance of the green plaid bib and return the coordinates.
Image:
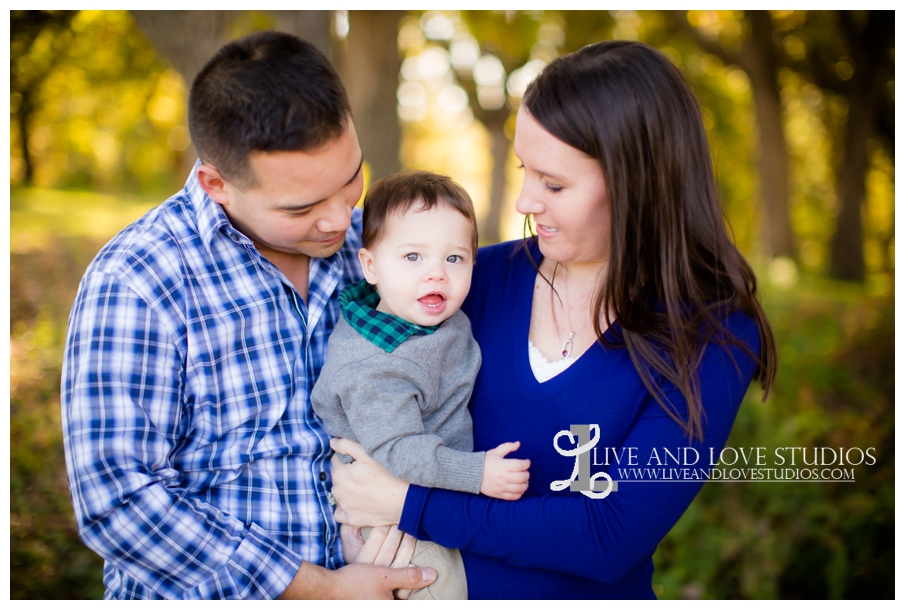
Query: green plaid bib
(358, 303)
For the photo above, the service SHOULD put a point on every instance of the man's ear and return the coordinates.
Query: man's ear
(366, 260)
(213, 184)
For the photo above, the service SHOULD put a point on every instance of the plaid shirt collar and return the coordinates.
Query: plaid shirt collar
(358, 303)
(210, 218)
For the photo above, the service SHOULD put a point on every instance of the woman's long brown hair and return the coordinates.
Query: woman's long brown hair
(673, 272)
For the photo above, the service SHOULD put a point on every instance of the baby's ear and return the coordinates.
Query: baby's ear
(366, 260)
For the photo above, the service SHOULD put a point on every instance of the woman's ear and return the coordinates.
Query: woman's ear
(366, 260)
(213, 184)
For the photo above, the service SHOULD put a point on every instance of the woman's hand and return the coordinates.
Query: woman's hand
(352, 542)
(387, 547)
(365, 493)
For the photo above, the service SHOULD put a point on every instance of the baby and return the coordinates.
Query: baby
(401, 362)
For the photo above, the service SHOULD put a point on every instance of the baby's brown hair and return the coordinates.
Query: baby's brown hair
(398, 193)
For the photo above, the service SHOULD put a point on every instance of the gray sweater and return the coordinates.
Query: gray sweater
(408, 408)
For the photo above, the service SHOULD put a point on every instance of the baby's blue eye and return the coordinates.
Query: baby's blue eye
(454, 258)
(412, 257)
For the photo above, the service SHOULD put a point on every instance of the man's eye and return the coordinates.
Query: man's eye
(413, 257)
(454, 258)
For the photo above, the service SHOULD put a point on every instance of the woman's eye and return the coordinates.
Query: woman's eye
(454, 258)
(412, 257)
(552, 189)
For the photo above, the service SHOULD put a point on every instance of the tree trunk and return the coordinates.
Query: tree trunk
(26, 27)
(313, 26)
(758, 60)
(847, 246)
(773, 165)
(869, 43)
(369, 65)
(495, 121)
(23, 116)
(188, 39)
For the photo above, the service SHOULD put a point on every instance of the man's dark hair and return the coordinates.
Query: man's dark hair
(398, 193)
(268, 91)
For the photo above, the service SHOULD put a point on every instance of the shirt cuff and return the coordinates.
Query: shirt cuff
(415, 501)
(261, 568)
(460, 471)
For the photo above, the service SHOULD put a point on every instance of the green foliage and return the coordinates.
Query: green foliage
(46, 558)
(94, 105)
(54, 236)
(507, 34)
(810, 540)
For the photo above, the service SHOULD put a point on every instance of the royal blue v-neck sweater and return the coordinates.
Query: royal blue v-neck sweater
(562, 544)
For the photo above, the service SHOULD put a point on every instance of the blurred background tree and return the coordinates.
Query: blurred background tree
(37, 44)
(369, 63)
(799, 107)
(188, 39)
(823, 48)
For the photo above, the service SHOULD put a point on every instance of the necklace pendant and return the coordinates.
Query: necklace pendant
(567, 346)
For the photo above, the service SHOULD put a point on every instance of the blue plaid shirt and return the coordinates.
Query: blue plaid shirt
(196, 466)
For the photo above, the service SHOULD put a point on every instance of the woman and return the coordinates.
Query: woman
(630, 310)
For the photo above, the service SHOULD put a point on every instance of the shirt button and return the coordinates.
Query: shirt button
(234, 237)
(323, 476)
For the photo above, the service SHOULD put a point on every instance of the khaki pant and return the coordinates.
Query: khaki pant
(450, 583)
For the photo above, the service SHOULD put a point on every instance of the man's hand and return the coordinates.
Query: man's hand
(505, 479)
(355, 581)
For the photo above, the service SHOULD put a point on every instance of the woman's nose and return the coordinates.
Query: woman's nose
(526, 203)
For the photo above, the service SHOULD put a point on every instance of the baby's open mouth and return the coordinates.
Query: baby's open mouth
(433, 300)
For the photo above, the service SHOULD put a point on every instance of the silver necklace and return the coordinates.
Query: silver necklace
(567, 345)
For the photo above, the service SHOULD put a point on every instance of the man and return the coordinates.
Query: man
(196, 466)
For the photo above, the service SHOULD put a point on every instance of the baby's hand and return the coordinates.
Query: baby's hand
(505, 479)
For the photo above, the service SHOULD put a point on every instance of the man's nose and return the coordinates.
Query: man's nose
(337, 216)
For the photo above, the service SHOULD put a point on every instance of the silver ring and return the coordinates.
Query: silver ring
(331, 499)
